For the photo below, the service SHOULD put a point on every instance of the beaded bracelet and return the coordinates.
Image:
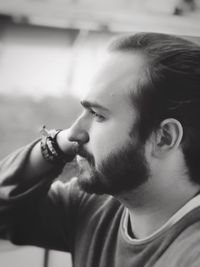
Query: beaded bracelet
(50, 149)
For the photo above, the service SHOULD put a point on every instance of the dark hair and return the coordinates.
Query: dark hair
(171, 88)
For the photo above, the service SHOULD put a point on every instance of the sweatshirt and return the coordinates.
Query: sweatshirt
(93, 228)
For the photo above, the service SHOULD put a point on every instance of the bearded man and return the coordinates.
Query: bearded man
(136, 199)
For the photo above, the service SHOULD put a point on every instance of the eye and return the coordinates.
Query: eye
(96, 115)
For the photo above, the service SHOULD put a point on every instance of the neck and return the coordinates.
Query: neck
(149, 212)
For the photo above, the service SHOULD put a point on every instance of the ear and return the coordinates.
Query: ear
(168, 137)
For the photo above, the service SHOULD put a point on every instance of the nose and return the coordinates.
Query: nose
(78, 132)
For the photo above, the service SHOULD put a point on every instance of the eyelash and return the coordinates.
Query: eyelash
(96, 115)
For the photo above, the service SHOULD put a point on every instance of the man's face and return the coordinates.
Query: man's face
(111, 158)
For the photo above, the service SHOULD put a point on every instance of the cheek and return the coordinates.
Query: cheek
(106, 139)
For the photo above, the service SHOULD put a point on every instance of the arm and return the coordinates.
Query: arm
(25, 179)
(36, 166)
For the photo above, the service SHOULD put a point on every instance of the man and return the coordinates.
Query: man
(135, 201)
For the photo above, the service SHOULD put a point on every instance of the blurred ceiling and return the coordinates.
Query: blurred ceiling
(171, 16)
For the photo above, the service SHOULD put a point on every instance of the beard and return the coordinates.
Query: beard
(120, 172)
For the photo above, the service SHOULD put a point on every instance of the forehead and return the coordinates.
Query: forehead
(117, 77)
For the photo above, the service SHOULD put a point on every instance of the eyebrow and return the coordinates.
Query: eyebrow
(88, 104)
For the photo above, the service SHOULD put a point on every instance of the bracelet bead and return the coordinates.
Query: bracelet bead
(50, 149)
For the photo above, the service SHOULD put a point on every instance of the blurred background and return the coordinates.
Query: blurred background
(49, 51)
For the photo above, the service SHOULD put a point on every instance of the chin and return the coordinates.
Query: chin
(91, 182)
(117, 174)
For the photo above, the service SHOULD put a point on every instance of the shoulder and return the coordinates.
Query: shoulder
(184, 250)
(70, 194)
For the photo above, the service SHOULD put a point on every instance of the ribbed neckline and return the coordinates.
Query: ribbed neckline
(188, 207)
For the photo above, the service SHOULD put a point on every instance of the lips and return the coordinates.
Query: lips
(82, 162)
(80, 159)
(85, 156)
(82, 153)
(84, 167)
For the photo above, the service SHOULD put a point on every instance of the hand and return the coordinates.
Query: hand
(69, 148)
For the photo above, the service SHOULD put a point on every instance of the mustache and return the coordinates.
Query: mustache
(88, 156)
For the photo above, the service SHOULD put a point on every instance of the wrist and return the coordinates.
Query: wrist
(56, 149)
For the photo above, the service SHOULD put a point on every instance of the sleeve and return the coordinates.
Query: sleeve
(190, 258)
(191, 255)
(32, 214)
(186, 247)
